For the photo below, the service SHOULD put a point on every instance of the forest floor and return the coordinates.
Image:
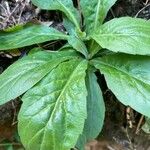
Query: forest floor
(122, 128)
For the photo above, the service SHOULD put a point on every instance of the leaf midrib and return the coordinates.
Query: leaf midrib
(97, 14)
(38, 66)
(108, 65)
(59, 97)
(70, 14)
(130, 75)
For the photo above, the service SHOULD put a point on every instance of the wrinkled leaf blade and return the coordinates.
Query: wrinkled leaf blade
(95, 111)
(95, 12)
(65, 6)
(127, 35)
(128, 77)
(54, 111)
(28, 35)
(26, 72)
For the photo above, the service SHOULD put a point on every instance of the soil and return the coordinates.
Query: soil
(122, 128)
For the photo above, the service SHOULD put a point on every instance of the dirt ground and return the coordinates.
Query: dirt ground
(122, 129)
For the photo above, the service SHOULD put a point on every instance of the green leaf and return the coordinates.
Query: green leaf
(26, 72)
(54, 111)
(95, 111)
(35, 50)
(29, 35)
(94, 12)
(127, 35)
(69, 26)
(128, 77)
(93, 48)
(78, 45)
(65, 6)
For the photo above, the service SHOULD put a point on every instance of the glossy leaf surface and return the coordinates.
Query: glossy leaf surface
(128, 77)
(95, 111)
(29, 35)
(127, 35)
(65, 6)
(54, 111)
(94, 12)
(26, 72)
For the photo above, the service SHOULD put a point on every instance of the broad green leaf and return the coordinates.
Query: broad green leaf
(78, 45)
(29, 35)
(94, 12)
(128, 77)
(127, 35)
(26, 72)
(65, 6)
(54, 111)
(95, 111)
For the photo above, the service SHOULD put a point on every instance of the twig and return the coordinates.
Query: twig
(19, 18)
(7, 8)
(1, 17)
(110, 148)
(49, 44)
(112, 13)
(141, 10)
(3, 8)
(131, 144)
(139, 125)
(8, 144)
(128, 112)
(15, 113)
(12, 13)
(146, 2)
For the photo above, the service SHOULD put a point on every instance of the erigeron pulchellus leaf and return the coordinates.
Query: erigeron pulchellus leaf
(128, 77)
(63, 105)
(28, 35)
(54, 111)
(126, 35)
(26, 72)
(94, 13)
(95, 111)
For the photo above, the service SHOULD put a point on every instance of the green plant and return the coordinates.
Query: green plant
(63, 105)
